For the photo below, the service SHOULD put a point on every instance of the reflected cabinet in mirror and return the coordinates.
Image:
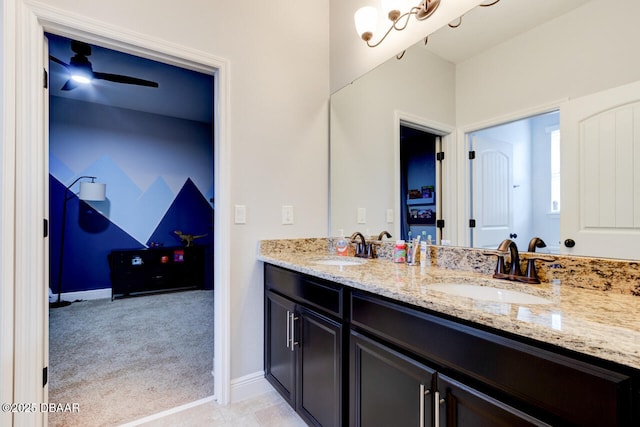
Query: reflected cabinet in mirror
(545, 95)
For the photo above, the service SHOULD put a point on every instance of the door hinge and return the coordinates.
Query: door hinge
(440, 223)
(440, 156)
(472, 155)
(45, 82)
(46, 227)
(472, 223)
(45, 376)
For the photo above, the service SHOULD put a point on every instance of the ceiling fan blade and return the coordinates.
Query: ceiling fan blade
(69, 85)
(124, 79)
(54, 59)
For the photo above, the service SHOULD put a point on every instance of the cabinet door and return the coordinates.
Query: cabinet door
(318, 341)
(387, 388)
(279, 352)
(460, 405)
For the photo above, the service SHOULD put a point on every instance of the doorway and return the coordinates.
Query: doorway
(30, 302)
(418, 182)
(157, 164)
(514, 182)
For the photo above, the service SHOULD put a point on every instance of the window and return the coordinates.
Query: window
(555, 170)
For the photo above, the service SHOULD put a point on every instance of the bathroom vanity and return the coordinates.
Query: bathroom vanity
(379, 344)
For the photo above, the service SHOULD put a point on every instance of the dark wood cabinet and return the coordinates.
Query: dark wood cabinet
(346, 356)
(280, 359)
(304, 345)
(461, 405)
(545, 385)
(387, 388)
(319, 387)
(135, 271)
(391, 388)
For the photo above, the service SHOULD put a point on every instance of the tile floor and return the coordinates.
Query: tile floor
(266, 410)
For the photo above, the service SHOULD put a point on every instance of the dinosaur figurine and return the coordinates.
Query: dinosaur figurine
(187, 239)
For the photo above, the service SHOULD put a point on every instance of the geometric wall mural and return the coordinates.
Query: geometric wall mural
(158, 172)
(90, 236)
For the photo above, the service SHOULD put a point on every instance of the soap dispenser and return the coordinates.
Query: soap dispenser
(342, 246)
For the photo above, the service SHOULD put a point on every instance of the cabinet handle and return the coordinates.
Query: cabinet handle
(423, 393)
(288, 328)
(293, 331)
(436, 408)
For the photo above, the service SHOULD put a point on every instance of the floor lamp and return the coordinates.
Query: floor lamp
(90, 191)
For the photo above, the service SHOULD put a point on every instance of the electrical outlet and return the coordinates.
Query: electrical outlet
(362, 215)
(287, 214)
(240, 216)
(389, 216)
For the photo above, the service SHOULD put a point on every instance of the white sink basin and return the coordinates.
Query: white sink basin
(339, 261)
(488, 293)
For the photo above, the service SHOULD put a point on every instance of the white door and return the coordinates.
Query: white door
(492, 198)
(600, 174)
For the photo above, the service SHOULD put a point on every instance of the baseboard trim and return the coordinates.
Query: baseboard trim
(249, 386)
(82, 295)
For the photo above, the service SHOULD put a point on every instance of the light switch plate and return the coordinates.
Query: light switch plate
(287, 214)
(240, 216)
(362, 215)
(389, 216)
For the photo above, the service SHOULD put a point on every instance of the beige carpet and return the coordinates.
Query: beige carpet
(126, 359)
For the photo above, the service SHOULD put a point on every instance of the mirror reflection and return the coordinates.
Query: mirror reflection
(502, 65)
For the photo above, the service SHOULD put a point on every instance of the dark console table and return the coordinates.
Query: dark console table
(136, 271)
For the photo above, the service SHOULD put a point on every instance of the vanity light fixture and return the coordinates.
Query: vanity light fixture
(366, 17)
(458, 21)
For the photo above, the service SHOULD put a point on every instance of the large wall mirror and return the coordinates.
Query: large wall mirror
(501, 64)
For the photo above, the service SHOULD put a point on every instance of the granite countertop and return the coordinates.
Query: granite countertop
(597, 323)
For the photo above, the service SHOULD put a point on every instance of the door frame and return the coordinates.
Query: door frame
(445, 172)
(464, 166)
(30, 282)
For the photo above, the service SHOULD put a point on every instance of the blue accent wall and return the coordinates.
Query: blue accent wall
(158, 172)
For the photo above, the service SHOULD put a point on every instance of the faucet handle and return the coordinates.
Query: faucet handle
(531, 275)
(500, 271)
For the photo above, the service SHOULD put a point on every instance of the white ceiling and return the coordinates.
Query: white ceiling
(485, 27)
(180, 93)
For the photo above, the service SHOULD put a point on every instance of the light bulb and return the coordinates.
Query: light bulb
(365, 19)
(81, 78)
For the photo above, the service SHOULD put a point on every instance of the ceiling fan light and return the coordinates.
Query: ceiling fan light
(81, 78)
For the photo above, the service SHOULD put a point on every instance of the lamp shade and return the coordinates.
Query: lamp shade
(93, 191)
(365, 20)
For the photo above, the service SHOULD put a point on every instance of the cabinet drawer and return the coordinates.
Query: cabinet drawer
(317, 293)
(566, 389)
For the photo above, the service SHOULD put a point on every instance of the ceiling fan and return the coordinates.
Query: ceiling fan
(81, 71)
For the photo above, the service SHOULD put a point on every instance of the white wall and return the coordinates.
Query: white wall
(587, 50)
(351, 57)
(363, 162)
(278, 55)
